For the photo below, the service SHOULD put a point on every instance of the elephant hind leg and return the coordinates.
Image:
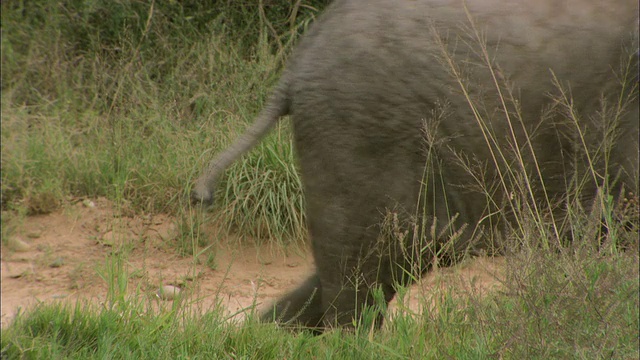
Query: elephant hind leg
(301, 307)
(345, 305)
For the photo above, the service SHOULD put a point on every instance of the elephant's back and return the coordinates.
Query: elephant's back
(357, 44)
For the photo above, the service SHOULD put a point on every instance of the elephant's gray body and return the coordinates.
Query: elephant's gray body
(367, 77)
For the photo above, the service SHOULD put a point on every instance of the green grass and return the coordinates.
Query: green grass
(134, 104)
(551, 306)
(130, 100)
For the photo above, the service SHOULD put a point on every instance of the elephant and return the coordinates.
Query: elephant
(443, 112)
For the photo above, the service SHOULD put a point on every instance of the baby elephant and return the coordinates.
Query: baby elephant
(446, 112)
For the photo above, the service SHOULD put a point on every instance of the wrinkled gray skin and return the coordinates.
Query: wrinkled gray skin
(367, 77)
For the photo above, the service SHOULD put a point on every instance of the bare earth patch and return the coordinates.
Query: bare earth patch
(65, 256)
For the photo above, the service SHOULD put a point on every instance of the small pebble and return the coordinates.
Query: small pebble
(21, 274)
(16, 244)
(168, 292)
(34, 234)
(107, 239)
(59, 261)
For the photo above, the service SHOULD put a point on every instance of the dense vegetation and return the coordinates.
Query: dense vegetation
(130, 99)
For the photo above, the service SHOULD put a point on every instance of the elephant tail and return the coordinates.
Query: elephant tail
(277, 106)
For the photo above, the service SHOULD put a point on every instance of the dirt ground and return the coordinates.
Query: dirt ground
(65, 255)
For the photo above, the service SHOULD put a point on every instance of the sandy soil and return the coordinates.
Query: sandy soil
(64, 256)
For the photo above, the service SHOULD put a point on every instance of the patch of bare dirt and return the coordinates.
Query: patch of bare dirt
(66, 256)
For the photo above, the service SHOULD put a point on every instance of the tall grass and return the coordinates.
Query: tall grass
(570, 288)
(133, 98)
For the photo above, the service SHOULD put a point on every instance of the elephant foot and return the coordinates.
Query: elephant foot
(300, 308)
